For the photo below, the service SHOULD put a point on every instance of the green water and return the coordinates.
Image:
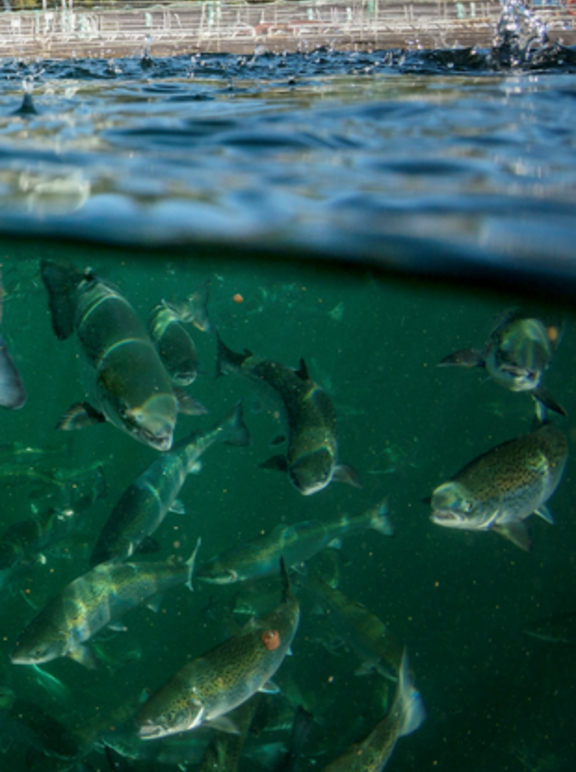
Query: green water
(496, 698)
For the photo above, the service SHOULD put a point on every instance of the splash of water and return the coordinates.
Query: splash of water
(520, 33)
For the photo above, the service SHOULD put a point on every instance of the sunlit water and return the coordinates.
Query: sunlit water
(344, 155)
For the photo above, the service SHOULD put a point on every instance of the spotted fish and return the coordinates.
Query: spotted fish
(502, 487)
(212, 685)
(89, 603)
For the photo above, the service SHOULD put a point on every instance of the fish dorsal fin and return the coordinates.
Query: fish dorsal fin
(302, 371)
(516, 532)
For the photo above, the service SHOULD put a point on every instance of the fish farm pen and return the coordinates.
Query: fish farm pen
(76, 28)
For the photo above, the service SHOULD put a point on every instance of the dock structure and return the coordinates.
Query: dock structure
(79, 29)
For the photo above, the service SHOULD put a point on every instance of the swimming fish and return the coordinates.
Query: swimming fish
(31, 725)
(25, 540)
(91, 602)
(370, 639)
(311, 459)
(502, 487)
(295, 543)
(144, 505)
(133, 390)
(404, 717)
(212, 685)
(516, 356)
(173, 342)
(559, 628)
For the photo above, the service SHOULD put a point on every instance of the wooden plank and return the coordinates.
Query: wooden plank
(82, 30)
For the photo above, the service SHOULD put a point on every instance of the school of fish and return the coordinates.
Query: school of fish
(207, 711)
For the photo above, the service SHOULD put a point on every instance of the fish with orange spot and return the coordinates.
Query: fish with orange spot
(209, 687)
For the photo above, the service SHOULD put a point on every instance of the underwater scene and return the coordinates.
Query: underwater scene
(274, 515)
(286, 388)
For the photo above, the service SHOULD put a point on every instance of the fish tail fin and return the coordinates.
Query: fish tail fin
(413, 710)
(61, 280)
(226, 359)
(379, 520)
(237, 433)
(191, 562)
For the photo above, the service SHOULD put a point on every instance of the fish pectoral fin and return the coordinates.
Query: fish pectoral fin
(467, 357)
(544, 396)
(269, 688)
(545, 514)
(118, 627)
(84, 656)
(78, 416)
(347, 474)
(516, 532)
(276, 463)
(300, 568)
(154, 603)
(177, 507)
(224, 724)
(187, 404)
(335, 544)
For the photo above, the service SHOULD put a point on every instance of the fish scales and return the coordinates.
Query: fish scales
(224, 677)
(504, 486)
(519, 472)
(91, 602)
